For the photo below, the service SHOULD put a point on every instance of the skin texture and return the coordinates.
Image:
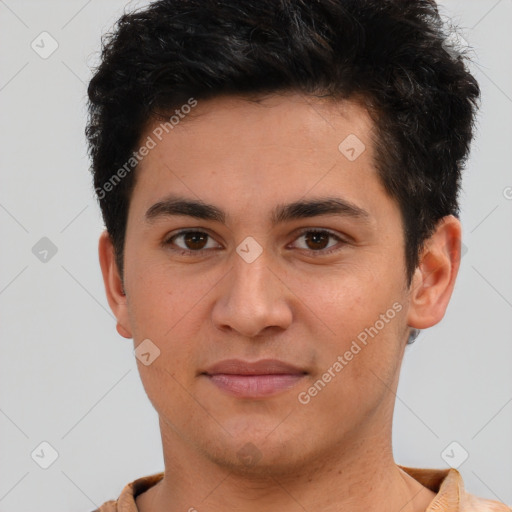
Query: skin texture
(294, 303)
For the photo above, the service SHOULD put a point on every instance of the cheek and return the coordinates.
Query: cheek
(162, 299)
(357, 368)
(350, 299)
(168, 308)
(365, 319)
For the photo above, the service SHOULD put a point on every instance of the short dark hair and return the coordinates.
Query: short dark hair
(394, 56)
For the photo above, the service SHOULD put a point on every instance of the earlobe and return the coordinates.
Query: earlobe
(434, 278)
(123, 332)
(114, 290)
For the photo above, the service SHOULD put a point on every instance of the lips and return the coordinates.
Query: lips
(256, 379)
(261, 367)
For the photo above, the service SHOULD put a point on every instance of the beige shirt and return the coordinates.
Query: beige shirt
(447, 483)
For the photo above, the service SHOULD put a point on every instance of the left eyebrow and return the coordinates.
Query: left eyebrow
(317, 207)
(302, 209)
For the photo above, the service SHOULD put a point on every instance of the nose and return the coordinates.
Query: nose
(252, 299)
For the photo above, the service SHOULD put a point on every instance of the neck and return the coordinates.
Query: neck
(351, 477)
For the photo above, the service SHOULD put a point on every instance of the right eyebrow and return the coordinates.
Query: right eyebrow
(172, 205)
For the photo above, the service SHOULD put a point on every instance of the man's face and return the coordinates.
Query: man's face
(323, 285)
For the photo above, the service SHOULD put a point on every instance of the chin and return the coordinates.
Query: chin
(258, 451)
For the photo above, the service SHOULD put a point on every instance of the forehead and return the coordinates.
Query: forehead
(251, 153)
(288, 118)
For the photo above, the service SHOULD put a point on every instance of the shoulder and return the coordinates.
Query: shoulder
(472, 503)
(108, 506)
(451, 494)
(126, 500)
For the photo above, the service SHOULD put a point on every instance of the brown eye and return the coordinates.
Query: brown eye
(191, 241)
(319, 241)
(195, 240)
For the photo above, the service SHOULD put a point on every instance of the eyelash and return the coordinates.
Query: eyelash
(320, 252)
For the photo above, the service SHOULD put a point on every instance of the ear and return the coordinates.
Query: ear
(434, 278)
(113, 284)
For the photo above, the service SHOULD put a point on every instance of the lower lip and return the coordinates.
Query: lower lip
(254, 386)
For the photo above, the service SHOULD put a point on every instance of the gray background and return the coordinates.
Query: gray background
(69, 379)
